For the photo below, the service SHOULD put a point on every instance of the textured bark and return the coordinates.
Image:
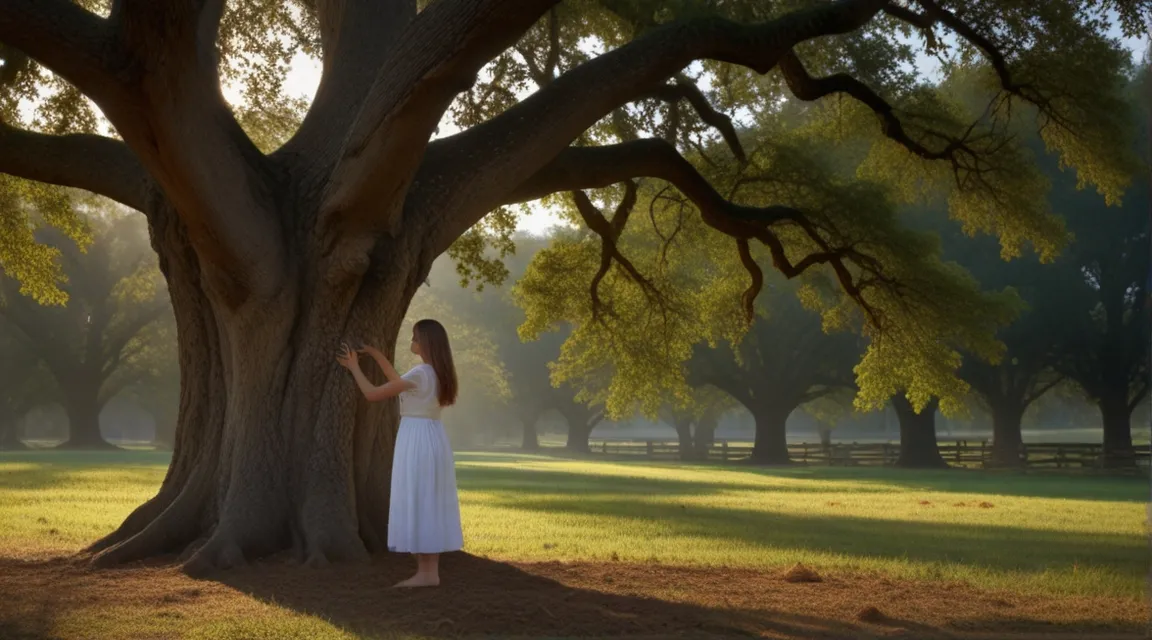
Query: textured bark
(771, 445)
(1007, 438)
(918, 448)
(1116, 414)
(274, 448)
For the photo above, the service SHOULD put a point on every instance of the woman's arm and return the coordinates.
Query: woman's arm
(382, 360)
(347, 359)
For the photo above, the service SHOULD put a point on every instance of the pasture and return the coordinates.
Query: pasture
(579, 548)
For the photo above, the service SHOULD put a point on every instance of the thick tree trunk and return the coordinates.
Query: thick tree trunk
(1007, 437)
(275, 447)
(579, 430)
(687, 444)
(530, 439)
(1117, 419)
(918, 448)
(771, 446)
(82, 405)
(705, 436)
(825, 438)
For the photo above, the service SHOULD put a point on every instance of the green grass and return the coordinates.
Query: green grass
(1053, 534)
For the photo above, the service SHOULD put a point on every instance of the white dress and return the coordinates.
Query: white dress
(424, 511)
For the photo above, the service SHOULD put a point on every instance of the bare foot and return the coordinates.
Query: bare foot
(419, 580)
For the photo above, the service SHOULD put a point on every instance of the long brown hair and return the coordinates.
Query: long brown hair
(436, 350)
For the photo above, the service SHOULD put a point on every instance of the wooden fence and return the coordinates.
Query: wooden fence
(966, 453)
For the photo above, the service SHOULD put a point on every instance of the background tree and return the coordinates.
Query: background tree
(919, 448)
(485, 397)
(94, 345)
(533, 395)
(784, 362)
(272, 257)
(1105, 314)
(24, 384)
(1007, 388)
(696, 423)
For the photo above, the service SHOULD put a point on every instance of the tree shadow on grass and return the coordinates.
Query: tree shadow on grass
(982, 546)
(1027, 484)
(1006, 482)
(484, 598)
(553, 481)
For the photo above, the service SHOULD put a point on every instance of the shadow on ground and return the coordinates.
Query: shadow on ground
(485, 598)
(481, 597)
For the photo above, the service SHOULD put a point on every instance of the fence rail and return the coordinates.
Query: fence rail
(959, 452)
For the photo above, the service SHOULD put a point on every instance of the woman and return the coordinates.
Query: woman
(424, 511)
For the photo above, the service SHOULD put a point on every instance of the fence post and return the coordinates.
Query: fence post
(648, 448)
(604, 447)
(959, 448)
(724, 451)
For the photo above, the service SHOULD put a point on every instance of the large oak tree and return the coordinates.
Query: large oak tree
(104, 338)
(273, 256)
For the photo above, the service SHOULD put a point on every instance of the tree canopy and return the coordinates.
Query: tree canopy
(279, 235)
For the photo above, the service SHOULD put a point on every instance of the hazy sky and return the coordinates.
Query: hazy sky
(304, 76)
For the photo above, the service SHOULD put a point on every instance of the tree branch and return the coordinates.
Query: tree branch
(531, 133)
(357, 37)
(597, 167)
(73, 43)
(1041, 390)
(438, 57)
(94, 163)
(543, 75)
(187, 136)
(609, 232)
(685, 89)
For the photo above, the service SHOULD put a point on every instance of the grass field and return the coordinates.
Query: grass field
(1038, 536)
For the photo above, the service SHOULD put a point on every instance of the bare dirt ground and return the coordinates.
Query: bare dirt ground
(484, 598)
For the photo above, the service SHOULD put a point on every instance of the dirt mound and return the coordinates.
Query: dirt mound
(800, 574)
(484, 598)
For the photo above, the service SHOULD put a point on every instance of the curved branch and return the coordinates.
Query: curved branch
(596, 167)
(685, 89)
(543, 75)
(599, 167)
(808, 88)
(94, 163)
(749, 298)
(75, 44)
(531, 133)
(609, 232)
(438, 57)
(356, 36)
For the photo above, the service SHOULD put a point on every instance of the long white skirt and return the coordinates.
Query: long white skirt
(424, 511)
